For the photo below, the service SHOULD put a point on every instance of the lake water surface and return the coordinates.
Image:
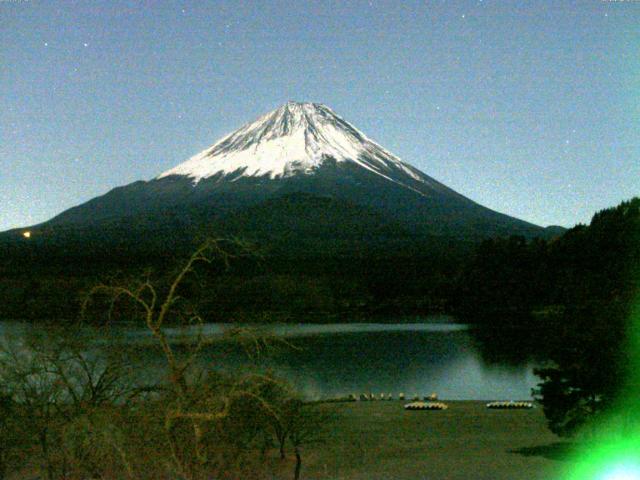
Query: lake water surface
(330, 360)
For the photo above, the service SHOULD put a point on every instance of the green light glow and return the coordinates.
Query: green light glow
(614, 451)
(622, 472)
(610, 460)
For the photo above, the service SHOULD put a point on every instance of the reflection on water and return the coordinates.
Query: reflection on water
(418, 361)
(289, 330)
(332, 360)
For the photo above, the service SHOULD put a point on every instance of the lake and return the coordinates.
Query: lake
(331, 360)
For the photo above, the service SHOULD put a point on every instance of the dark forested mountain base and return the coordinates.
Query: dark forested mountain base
(340, 225)
(311, 279)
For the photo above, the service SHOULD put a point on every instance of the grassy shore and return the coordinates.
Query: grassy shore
(380, 440)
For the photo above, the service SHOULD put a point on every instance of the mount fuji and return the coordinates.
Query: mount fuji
(298, 170)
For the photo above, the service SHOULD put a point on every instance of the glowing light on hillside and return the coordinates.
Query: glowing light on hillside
(26, 234)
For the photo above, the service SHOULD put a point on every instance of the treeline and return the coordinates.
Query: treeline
(517, 282)
(568, 302)
(587, 265)
(302, 280)
(498, 283)
(582, 280)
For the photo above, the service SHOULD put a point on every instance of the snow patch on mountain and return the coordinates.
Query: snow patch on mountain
(293, 139)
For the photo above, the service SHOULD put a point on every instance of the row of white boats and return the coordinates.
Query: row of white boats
(429, 402)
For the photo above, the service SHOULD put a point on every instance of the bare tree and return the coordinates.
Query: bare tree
(9, 438)
(190, 403)
(304, 424)
(77, 401)
(52, 383)
(34, 393)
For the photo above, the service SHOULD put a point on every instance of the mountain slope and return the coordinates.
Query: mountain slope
(343, 226)
(298, 148)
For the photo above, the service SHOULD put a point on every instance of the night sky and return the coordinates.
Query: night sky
(531, 108)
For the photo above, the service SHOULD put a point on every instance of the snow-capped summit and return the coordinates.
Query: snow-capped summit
(284, 167)
(293, 139)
